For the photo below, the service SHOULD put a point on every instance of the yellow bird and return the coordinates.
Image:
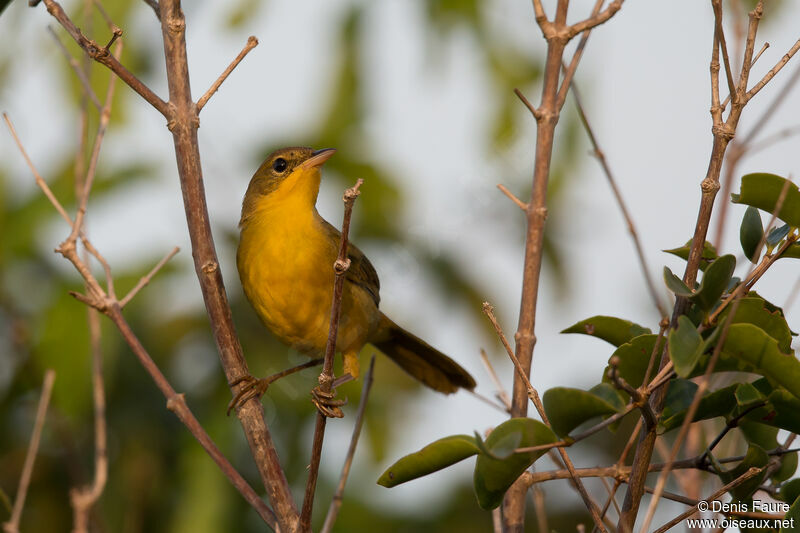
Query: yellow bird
(285, 259)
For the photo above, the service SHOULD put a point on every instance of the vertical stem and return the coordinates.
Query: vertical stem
(514, 502)
(183, 124)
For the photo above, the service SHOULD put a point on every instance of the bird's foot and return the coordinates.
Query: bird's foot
(326, 402)
(255, 388)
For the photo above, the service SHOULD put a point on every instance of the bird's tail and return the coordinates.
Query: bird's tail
(421, 360)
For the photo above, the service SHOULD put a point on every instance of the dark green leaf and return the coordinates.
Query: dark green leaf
(792, 518)
(569, 408)
(685, 346)
(715, 281)
(617, 331)
(762, 190)
(680, 393)
(750, 233)
(493, 477)
(676, 284)
(435, 456)
(708, 256)
(790, 491)
(712, 405)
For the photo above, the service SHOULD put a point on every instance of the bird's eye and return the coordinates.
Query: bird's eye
(279, 165)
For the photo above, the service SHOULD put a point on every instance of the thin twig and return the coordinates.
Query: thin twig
(336, 501)
(537, 402)
(148, 277)
(252, 42)
(75, 65)
(535, 112)
(175, 402)
(326, 377)
(612, 182)
(751, 473)
(83, 498)
(522, 205)
(101, 55)
(12, 526)
(501, 393)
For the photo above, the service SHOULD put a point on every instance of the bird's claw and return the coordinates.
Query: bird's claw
(326, 402)
(253, 388)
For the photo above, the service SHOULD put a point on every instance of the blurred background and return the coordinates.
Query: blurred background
(417, 96)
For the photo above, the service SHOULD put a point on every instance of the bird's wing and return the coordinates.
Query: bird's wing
(361, 271)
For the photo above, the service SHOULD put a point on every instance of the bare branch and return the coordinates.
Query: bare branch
(102, 55)
(336, 501)
(519, 203)
(155, 7)
(535, 112)
(774, 70)
(537, 402)
(751, 473)
(501, 393)
(12, 526)
(569, 72)
(612, 182)
(148, 277)
(596, 20)
(340, 267)
(252, 42)
(76, 67)
(717, 6)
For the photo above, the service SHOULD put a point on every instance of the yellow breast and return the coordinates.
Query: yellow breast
(285, 262)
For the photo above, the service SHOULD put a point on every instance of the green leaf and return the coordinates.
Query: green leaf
(752, 345)
(790, 491)
(757, 311)
(501, 449)
(617, 331)
(792, 252)
(568, 408)
(685, 346)
(747, 396)
(755, 457)
(680, 393)
(712, 405)
(792, 518)
(676, 284)
(708, 256)
(634, 357)
(493, 477)
(763, 190)
(715, 281)
(750, 233)
(435, 456)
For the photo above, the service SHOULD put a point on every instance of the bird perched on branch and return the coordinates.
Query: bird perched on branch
(285, 259)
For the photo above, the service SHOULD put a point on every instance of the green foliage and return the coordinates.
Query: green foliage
(435, 456)
(750, 233)
(685, 346)
(494, 476)
(617, 331)
(569, 408)
(708, 256)
(763, 190)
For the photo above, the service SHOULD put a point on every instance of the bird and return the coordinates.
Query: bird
(285, 261)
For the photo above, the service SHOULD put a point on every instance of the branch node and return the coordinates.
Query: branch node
(724, 131)
(174, 402)
(210, 267)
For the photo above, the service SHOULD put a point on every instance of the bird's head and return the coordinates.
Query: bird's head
(287, 175)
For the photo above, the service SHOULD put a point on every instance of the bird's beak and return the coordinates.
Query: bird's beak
(318, 158)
